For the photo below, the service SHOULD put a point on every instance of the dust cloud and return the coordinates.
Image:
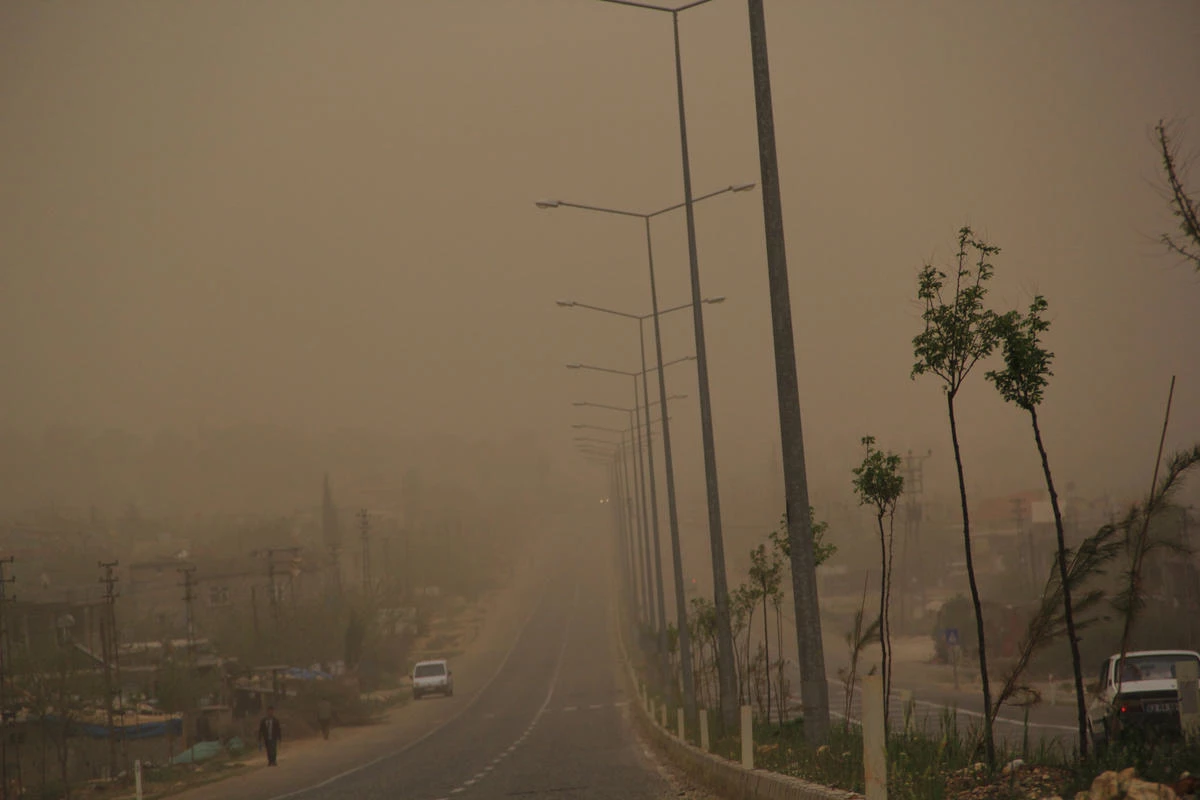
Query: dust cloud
(245, 246)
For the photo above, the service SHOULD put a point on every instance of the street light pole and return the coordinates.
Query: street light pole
(664, 657)
(685, 650)
(645, 520)
(681, 614)
(729, 711)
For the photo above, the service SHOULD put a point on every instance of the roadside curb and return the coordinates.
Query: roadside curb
(728, 779)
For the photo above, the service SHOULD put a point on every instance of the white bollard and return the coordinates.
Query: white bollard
(874, 738)
(704, 729)
(137, 778)
(747, 737)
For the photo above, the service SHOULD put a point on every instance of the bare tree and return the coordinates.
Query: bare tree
(1183, 206)
(1048, 623)
(1140, 542)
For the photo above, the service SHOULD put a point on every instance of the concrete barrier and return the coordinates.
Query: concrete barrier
(726, 779)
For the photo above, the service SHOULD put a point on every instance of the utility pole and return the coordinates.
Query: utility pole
(189, 609)
(364, 531)
(272, 573)
(273, 599)
(814, 688)
(111, 653)
(5, 599)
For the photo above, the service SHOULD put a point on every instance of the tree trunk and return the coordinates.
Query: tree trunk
(883, 628)
(814, 688)
(988, 742)
(887, 617)
(767, 648)
(1068, 609)
(749, 664)
(782, 695)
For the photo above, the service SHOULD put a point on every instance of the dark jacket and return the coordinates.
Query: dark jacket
(269, 730)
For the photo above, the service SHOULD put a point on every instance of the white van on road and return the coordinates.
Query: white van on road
(432, 677)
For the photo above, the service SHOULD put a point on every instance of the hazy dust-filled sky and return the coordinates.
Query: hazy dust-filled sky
(320, 214)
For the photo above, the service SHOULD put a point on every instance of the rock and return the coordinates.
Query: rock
(1186, 786)
(1082, 796)
(1145, 790)
(1104, 787)
(822, 751)
(1126, 777)
(1013, 766)
(980, 767)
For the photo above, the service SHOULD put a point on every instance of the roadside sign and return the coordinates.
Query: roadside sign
(952, 637)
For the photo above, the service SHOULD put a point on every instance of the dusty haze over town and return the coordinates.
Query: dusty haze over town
(312, 226)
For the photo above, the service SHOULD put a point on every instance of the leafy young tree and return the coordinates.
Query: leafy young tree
(822, 552)
(1183, 205)
(743, 603)
(1023, 382)
(703, 622)
(766, 572)
(878, 483)
(960, 332)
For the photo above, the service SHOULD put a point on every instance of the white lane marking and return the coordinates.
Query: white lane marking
(542, 710)
(966, 712)
(595, 706)
(570, 708)
(482, 690)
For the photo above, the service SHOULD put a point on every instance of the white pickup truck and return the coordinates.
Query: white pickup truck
(1139, 694)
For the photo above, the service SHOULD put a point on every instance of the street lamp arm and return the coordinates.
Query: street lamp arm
(577, 304)
(598, 428)
(737, 187)
(584, 207)
(671, 363)
(646, 6)
(602, 405)
(602, 369)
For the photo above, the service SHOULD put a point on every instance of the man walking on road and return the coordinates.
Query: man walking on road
(324, 716)
(270, 735)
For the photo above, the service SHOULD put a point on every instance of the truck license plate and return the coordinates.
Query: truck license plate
(1160, 708)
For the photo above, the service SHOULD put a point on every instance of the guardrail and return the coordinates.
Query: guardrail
(725, 778)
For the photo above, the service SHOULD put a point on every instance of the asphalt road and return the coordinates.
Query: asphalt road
(1047, 725)
(552, 722)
